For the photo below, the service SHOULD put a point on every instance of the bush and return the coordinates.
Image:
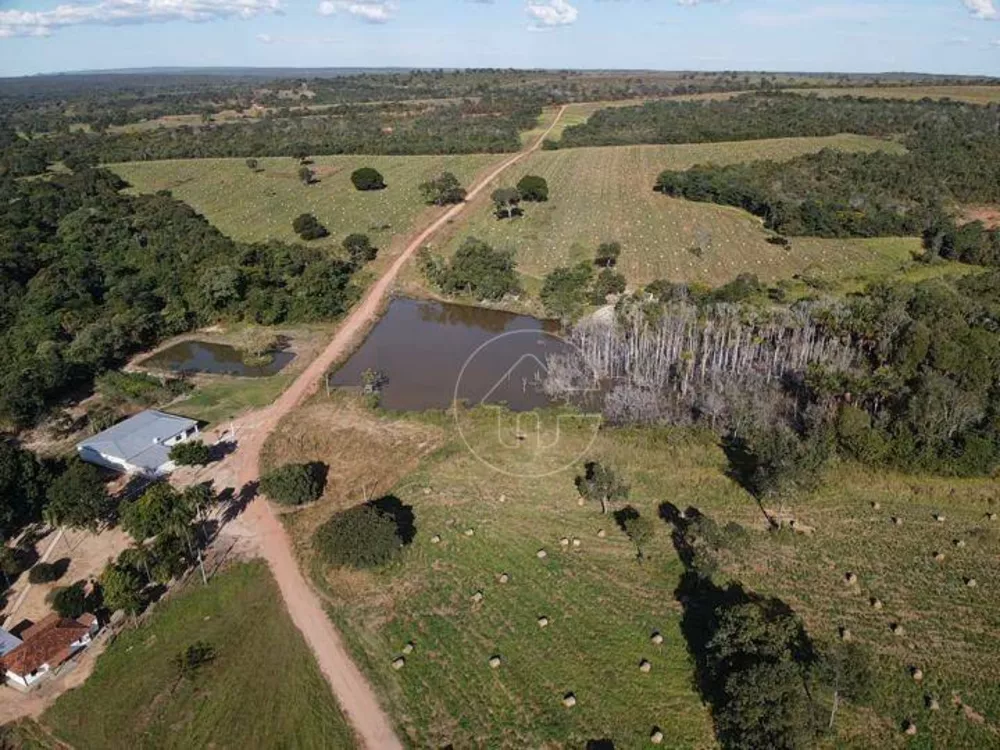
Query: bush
(44, 573)
(308, 228)
(564, 291)
(191, 453)
(608, 282)
(360, 537)
(476, 269)
(607, 254)
(442, 190)
(294, 484)
(367, 178)
(193, 658)
(533, 188)
(69, 601)
(359, 248)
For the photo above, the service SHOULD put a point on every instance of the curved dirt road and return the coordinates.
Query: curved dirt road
(354, 694)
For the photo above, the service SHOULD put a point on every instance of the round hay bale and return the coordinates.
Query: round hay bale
(541, 554)
(917, 674)
(580, 501)
(909, 728)
(895, 628)
(450, 522)
(656, 737)
(991, 516)
(876, 505)
(503, 578)
(644, 665)
(494, 662)
(850, 578)
(875, 602)
(960, 543)
(427, 490)
(569, 700)
(435, 539)
(939, 517)
(543, 622)
(601, 533)
(398, 663)
(845, 634)
(939, 556)
(932, 703)
(477, 597)
(408, 647)
(564, 542)
(897, 521)
(656, 638)
(503, 498)
(576, 542)
(470, 532)
(971, 583)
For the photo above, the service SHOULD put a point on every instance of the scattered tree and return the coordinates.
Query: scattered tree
(308, 227)
(294, 484)
(506, 203)
(607, 254)
(601, 484)
(360, 537)
(69, 601)
(639, 529)
(122, 589)
(306, 175)
(564, 291)
(367, 178)
(476, 269)
(359, 249)
(253, 165)
(443, 190)
(607, 282)
(533, 188)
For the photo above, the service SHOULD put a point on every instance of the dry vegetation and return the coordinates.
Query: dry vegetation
(973, 94)
(600, 194)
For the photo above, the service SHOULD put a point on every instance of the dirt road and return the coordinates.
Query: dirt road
(356, 697)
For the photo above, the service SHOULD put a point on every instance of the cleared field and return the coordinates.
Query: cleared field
(973, 94)
(263, 688)
(601, 194)
(603, 604)
(256, 207)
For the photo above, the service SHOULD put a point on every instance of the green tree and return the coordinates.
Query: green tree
(252, 165)
(153, 512)
(293, 484)
(308, 227)
(78, 498)
(533, 188)
(442, 190)
(190, 453)
(607, 282)
(608, 254)
(360, 537)
(367, 178)
(122, 588)
(69, 601)
(640, 530)
(475, 269)
(601, 484)
(505, 202)
(845, 669)
(564, 291)
(306, 175)
(23, 485)
(359, 249)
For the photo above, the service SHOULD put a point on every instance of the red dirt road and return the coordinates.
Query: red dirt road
(355, 695)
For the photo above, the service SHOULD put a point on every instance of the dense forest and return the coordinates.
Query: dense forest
(902, 375)
(89, 276)
(953, 158)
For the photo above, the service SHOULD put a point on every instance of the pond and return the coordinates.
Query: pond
(432, 352)
(217, 359)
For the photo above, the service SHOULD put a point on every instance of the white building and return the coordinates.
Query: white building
(140, 444)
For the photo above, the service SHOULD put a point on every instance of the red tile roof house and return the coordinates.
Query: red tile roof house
(45, 646)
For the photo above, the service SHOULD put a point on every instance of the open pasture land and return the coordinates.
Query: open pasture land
(256, 207)
(262, 689)
(972, 94)
(606, 193)
(602, 604)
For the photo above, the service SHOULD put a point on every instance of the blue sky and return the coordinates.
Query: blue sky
(939, 36)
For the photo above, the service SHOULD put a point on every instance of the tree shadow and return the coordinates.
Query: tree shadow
(624, 515)
(319, 471)
(601, 744)
(239, 501)
(401, 513)
(218, 451)
(60, 567)
(742, 462)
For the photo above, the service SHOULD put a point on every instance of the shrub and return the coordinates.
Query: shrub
(359, 248)
(367, 178)
(193, 658)
(533, 188)
(608, 282)
(360, 537)
(442, 190)
(308, 228)
(44, 573)
(294, 484)
(191, 453)
(607, 254)
(69, 601)
(476, 269)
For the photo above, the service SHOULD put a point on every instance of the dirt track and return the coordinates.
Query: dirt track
(356, 697)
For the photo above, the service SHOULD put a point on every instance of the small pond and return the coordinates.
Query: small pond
(425, 348)
(217, 359)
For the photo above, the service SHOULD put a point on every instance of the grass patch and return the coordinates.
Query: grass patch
(256, 207)
(221, 398)
(263, 688)
(600, 194)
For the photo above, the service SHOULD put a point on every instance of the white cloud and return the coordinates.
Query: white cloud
(372, 11)
(550, 13)
(265, 38)
(981, 8)
(113, 12)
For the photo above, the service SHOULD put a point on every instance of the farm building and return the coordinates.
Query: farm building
(140, 444)
(45, 646)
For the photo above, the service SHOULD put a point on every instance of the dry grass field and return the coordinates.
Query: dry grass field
(600, 194)
(972, 94)
(256, 207)
(603, 604)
